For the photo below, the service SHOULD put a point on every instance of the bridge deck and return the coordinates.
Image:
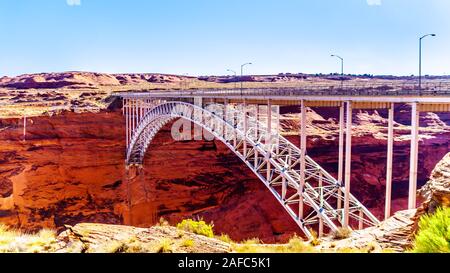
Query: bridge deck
(380, 99)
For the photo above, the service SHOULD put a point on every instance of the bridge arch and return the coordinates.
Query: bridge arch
(273, 159)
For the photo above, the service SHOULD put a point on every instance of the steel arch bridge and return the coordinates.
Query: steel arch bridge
(308, 193)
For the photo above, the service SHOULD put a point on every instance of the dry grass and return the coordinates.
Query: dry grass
(13, 241)
(341, 233)
(225, 238)
(295, 245)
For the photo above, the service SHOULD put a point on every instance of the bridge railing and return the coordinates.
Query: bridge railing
(406, 88)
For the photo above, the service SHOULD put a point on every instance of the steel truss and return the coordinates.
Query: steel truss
(313, 200)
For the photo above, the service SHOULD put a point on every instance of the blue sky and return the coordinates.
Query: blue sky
(207, 37)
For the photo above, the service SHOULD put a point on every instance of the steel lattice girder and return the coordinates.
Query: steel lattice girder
(269, 155)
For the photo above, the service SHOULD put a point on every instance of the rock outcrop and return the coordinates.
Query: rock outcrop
(396, 234)
(100, 238)
(436, 192)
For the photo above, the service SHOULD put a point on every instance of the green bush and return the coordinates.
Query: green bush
(198, 227)
(434, 233)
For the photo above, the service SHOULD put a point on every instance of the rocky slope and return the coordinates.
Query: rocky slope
(83, 80)
(100, 238)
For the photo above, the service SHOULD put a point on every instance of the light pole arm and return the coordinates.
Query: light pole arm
(342, 63)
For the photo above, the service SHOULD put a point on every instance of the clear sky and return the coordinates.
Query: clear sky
(207, 37)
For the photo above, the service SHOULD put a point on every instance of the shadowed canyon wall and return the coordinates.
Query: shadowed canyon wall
(71, 169)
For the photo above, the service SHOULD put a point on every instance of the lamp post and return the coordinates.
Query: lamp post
(342, 68)
(342, 63)
(235, 74)
(242, 75)
(420, 58)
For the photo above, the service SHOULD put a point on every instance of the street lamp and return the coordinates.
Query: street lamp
(342, 69)
(420, 58)
(342, 63)
(242, 75)
(235, 74)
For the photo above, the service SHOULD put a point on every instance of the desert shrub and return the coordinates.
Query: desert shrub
(341, 233)
(165, 246)
(188, 243)
(225, 238)
(434, 233)
(114, 247)
(198, 227)
(315, 241)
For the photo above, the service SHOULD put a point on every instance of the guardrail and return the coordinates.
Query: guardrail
(370, 89)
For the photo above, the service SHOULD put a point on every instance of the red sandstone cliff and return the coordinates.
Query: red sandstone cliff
(71, 169)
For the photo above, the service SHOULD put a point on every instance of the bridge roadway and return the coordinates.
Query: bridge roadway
(277, 162)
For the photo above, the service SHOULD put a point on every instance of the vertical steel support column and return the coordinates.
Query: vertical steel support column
(278, 128)
(348, 164)
(198, 116)
(142, 109)
(269, 125)
(321, 205)
(269, 139)
(390, 154)
(132, 117)
(245, 110)
(414, 156)
(341, 153)
(256, 134)
(136, 121)
(139, 107)
(302, 157)
(225, 118)
(125, 109)
(257, 121)
(236, 127)
(361, 220)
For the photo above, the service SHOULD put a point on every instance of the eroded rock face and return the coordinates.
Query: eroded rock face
(69, 169)
(436, 192)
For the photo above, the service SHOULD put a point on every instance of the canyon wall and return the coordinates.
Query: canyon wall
(70, 169)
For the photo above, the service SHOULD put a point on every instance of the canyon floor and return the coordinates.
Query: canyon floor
(67, 166)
